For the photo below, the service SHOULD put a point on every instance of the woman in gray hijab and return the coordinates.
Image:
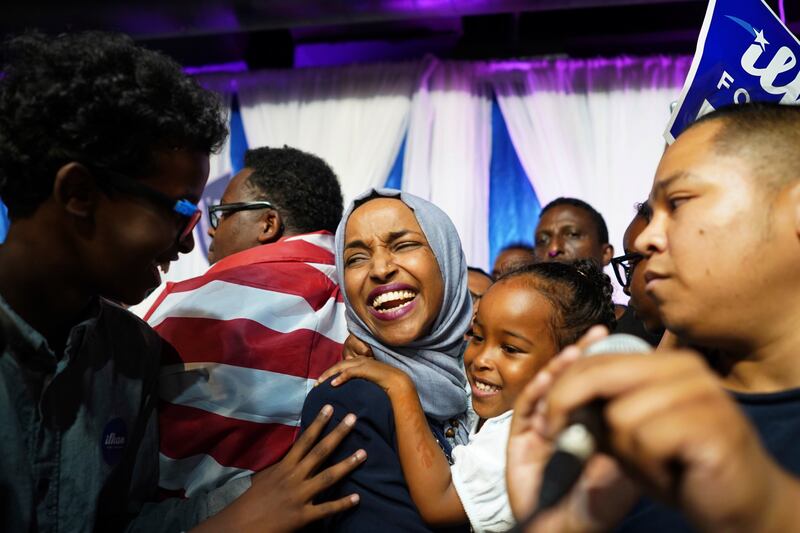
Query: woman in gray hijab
(404, 275)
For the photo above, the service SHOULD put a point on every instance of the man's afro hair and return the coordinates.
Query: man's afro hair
(98, 99)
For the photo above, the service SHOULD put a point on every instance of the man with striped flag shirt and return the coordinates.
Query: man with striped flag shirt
(252, 334)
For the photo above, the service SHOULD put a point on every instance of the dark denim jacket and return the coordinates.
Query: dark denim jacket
(79, 446)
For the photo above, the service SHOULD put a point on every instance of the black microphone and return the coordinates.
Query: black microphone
(583, 436)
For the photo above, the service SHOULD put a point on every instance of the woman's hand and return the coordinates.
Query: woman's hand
(603, 494)
(355, 347)
(280, 497)
(387, 377)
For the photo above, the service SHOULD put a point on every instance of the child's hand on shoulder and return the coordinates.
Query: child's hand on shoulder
(355, 347)
(387, 377)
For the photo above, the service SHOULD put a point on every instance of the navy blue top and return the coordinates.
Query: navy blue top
(385, 503)
(776, 416)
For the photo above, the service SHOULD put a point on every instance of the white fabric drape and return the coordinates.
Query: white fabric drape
(448, 151)
(195, 262)
(591, 129)
(353, 117)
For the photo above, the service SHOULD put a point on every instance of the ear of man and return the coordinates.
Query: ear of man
(75, 190)
(271, 226)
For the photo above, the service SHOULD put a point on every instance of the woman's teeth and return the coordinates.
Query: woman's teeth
(485, 387)
(399, 298)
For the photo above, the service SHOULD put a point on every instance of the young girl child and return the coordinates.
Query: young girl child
(524, 319)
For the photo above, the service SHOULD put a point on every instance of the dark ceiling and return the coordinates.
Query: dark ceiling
(283, 33)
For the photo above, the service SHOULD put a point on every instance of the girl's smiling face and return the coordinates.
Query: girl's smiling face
(391, 275)
(511, 340)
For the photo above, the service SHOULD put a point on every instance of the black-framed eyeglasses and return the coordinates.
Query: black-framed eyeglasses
(623, 267)
(183, 207)
(215, 212)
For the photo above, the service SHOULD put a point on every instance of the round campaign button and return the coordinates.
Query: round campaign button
(115, 437)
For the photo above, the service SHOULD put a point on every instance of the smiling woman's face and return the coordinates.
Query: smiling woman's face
(391, 275)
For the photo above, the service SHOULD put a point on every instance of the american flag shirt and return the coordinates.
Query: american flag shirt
(249, 337)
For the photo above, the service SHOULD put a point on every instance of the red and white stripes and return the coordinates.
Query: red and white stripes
(250, 337)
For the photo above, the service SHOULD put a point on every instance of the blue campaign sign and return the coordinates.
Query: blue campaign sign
(744, 53)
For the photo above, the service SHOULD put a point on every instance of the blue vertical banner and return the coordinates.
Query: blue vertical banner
(395, 178)
(238, 138)
(214, 189)
(744, 53)
(4, 222)
(513, 205)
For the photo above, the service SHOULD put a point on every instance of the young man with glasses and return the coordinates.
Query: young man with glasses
(629, 270)
(254, 332)
(103, 156)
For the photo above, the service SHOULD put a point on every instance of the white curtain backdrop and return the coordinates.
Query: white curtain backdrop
(195, 262)
(590, 129)
(448, 151)
(353, 117)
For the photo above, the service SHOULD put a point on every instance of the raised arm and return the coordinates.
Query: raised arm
(424, 465)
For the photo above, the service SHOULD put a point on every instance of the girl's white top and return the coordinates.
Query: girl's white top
(479, 476)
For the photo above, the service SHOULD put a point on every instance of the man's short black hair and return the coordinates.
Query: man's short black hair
(597, 218)
(767, 135)
(300, 185)
(94, 98)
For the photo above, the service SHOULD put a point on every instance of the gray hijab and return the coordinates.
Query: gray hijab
(434, 361)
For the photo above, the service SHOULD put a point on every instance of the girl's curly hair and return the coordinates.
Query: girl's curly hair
(580, 294)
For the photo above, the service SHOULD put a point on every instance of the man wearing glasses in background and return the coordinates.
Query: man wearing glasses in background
(629, 269)
(252, 334)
